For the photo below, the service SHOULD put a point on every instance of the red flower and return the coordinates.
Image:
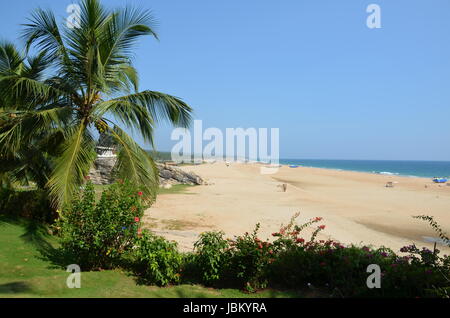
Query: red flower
(318, 219)
(260, 246)
(300, 240)
(136, 219)
(322, 227)
(140, 193)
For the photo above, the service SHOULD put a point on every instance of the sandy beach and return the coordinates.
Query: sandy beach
(356, 207)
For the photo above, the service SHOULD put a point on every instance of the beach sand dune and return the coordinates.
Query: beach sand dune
(356, 207)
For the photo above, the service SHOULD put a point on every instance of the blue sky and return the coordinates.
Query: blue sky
(335, 88)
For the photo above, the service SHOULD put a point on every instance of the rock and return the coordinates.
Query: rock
(172, 175)
(101, 173)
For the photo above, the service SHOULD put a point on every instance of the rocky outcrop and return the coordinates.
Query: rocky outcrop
(101, 173)
(170, 175)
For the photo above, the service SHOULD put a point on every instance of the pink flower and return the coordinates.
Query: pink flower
(136, 219)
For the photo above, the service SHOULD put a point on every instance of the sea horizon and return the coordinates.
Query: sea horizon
(406, 168)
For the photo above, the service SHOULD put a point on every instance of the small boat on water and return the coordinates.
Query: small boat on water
(440, 180)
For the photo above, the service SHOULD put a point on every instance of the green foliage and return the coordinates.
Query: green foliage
(292, 262)
(249, 257)
(33, 204)
(156, 260)
(26, 274)
(97, 234)
(83, 79)
(210, 256)
(105, 233)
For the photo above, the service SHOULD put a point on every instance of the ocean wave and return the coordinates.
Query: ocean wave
(386, 173)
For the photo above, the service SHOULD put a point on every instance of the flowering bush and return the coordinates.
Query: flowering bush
(244, 261)
(342, 269)
(248, 260)
(294, 262)
(97, 234)
(156, 260)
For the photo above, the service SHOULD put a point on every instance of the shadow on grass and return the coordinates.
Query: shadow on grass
(14, 288)
(35, 234)
(6, 219)
(57, 258)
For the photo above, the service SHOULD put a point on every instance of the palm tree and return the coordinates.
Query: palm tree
(25, 161)
(83, 79)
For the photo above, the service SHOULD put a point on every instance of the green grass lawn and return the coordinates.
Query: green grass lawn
(25, 272)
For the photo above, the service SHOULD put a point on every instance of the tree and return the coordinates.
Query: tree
(82, 78)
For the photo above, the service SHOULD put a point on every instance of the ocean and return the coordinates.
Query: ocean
(425, 169)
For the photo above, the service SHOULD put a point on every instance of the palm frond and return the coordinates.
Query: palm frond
(122, 31)
(42, 30)
(135, 164)
(73, 165)
(162, 107)
(10, 59)
(18, 128)
(134, 116)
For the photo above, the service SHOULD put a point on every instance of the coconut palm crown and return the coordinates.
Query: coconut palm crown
(82, 79)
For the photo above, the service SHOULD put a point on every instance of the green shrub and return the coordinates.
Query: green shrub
(340, 269)
(292, 262)
(32, 204)
(156, 260)
(97, 234)
(328, 265)
(249, 257)
(210, 258)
